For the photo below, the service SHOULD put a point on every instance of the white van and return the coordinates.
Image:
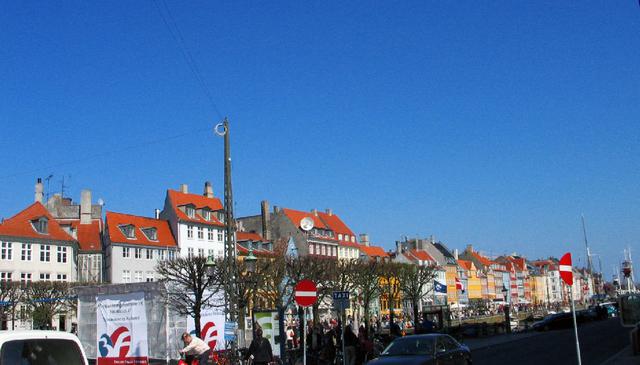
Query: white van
(40, 348)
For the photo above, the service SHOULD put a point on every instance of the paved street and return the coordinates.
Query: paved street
(598, 341)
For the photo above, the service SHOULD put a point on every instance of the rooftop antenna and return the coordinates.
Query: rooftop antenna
(63, 186)
(48, 180)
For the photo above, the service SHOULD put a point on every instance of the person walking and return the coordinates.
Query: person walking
(350, 343)
(195, 347)
(260, 350)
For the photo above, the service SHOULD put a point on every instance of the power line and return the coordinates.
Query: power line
(106, 154)
(177, 36)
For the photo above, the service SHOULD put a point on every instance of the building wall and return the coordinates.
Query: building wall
(137, 269)
(475, 285)
(90, 267)
(16, 266)
(200, 247)
(451, 271)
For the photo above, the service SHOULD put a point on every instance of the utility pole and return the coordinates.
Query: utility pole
(231, 265)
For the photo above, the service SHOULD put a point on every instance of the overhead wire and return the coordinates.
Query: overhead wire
(176, 34)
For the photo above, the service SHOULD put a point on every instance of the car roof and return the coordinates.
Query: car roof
(36, 334)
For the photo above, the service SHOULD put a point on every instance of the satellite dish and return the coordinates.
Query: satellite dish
(306, 223)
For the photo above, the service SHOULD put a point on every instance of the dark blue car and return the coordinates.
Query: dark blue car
(424, 350)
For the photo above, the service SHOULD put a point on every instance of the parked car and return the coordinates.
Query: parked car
(554, 321)
(40, 347)
(423, 350)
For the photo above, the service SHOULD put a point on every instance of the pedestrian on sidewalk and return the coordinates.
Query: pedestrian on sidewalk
(260, 350)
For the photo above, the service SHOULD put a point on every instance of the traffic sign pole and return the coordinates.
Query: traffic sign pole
(575, 326)
(304, 336)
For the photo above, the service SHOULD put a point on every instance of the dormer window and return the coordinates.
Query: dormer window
(340, 236)
(346, 237)
(128, 231)
(41, 225)
(191, 211)
(206, 214)
(151, 233)
(220, 216)
(353, 239)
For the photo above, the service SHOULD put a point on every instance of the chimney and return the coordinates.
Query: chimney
(156, 213)
(266, 220)
(469, 248)
(276, 209)
(329, 211)
(364, 239)
(455, 253)
(85, 207)
(184, 188)
(208, 189)
(314, 211)
(39, 191)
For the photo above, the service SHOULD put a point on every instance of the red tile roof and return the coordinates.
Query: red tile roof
(178, 199)
(373, 251)
(296, 216)
(88, 235)
(421, 255)
(20, 225)
(249, 236)
(465, 264)
(114, 220)
(258, 252)
(483, 260)
(338, 227)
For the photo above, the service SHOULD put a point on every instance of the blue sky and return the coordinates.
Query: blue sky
(491, 124)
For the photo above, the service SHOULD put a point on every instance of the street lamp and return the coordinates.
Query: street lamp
(250, 261)
(210, 265)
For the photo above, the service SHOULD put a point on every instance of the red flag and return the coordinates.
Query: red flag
(566, 271)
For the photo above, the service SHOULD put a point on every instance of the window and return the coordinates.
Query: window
(200, 233)
(126, 276)
(161, 254)
(206, 214)
(201, 252)
(45, 253)
(324, 249)
(150, 277)
(128, 231)
(220, 216)
(126, 253)
(311, 249)
(138, 276)
(191, 212)
(5, 276)
(340, 236)
(210, 234)
(189, 231)
(346, 237)
(61, 277)
(190, 252)
(41, 225)
(62, 254)
(220, 236)
(353, 239)
(171, 254)
(26, 252)
(45, 276)
(151, 233)
(149, 254)
(211, 252)
(6, 252)
(25, 277)
(138, 253)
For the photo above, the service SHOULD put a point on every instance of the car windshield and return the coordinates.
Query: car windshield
(41, 352)
(410, 346)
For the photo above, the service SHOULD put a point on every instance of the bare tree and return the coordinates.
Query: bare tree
(10, 295)
(47, 299)
(190, 288)
(389, 280)
(367, 283)
(413, 282)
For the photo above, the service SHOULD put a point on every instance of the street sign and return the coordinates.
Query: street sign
(306, 293)
(341, 300)
(566, 271)
(230, 331)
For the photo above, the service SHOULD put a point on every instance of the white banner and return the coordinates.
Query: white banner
(211, 328)
(121, 329)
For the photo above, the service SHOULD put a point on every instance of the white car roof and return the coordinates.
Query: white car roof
(24, 335)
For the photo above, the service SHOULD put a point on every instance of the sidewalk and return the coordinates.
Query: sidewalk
(479, 343)
(624, 357)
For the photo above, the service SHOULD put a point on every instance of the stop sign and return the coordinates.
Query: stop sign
(566, 271)
(306, 293)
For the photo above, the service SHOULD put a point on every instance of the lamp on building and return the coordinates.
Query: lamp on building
(210, 265)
